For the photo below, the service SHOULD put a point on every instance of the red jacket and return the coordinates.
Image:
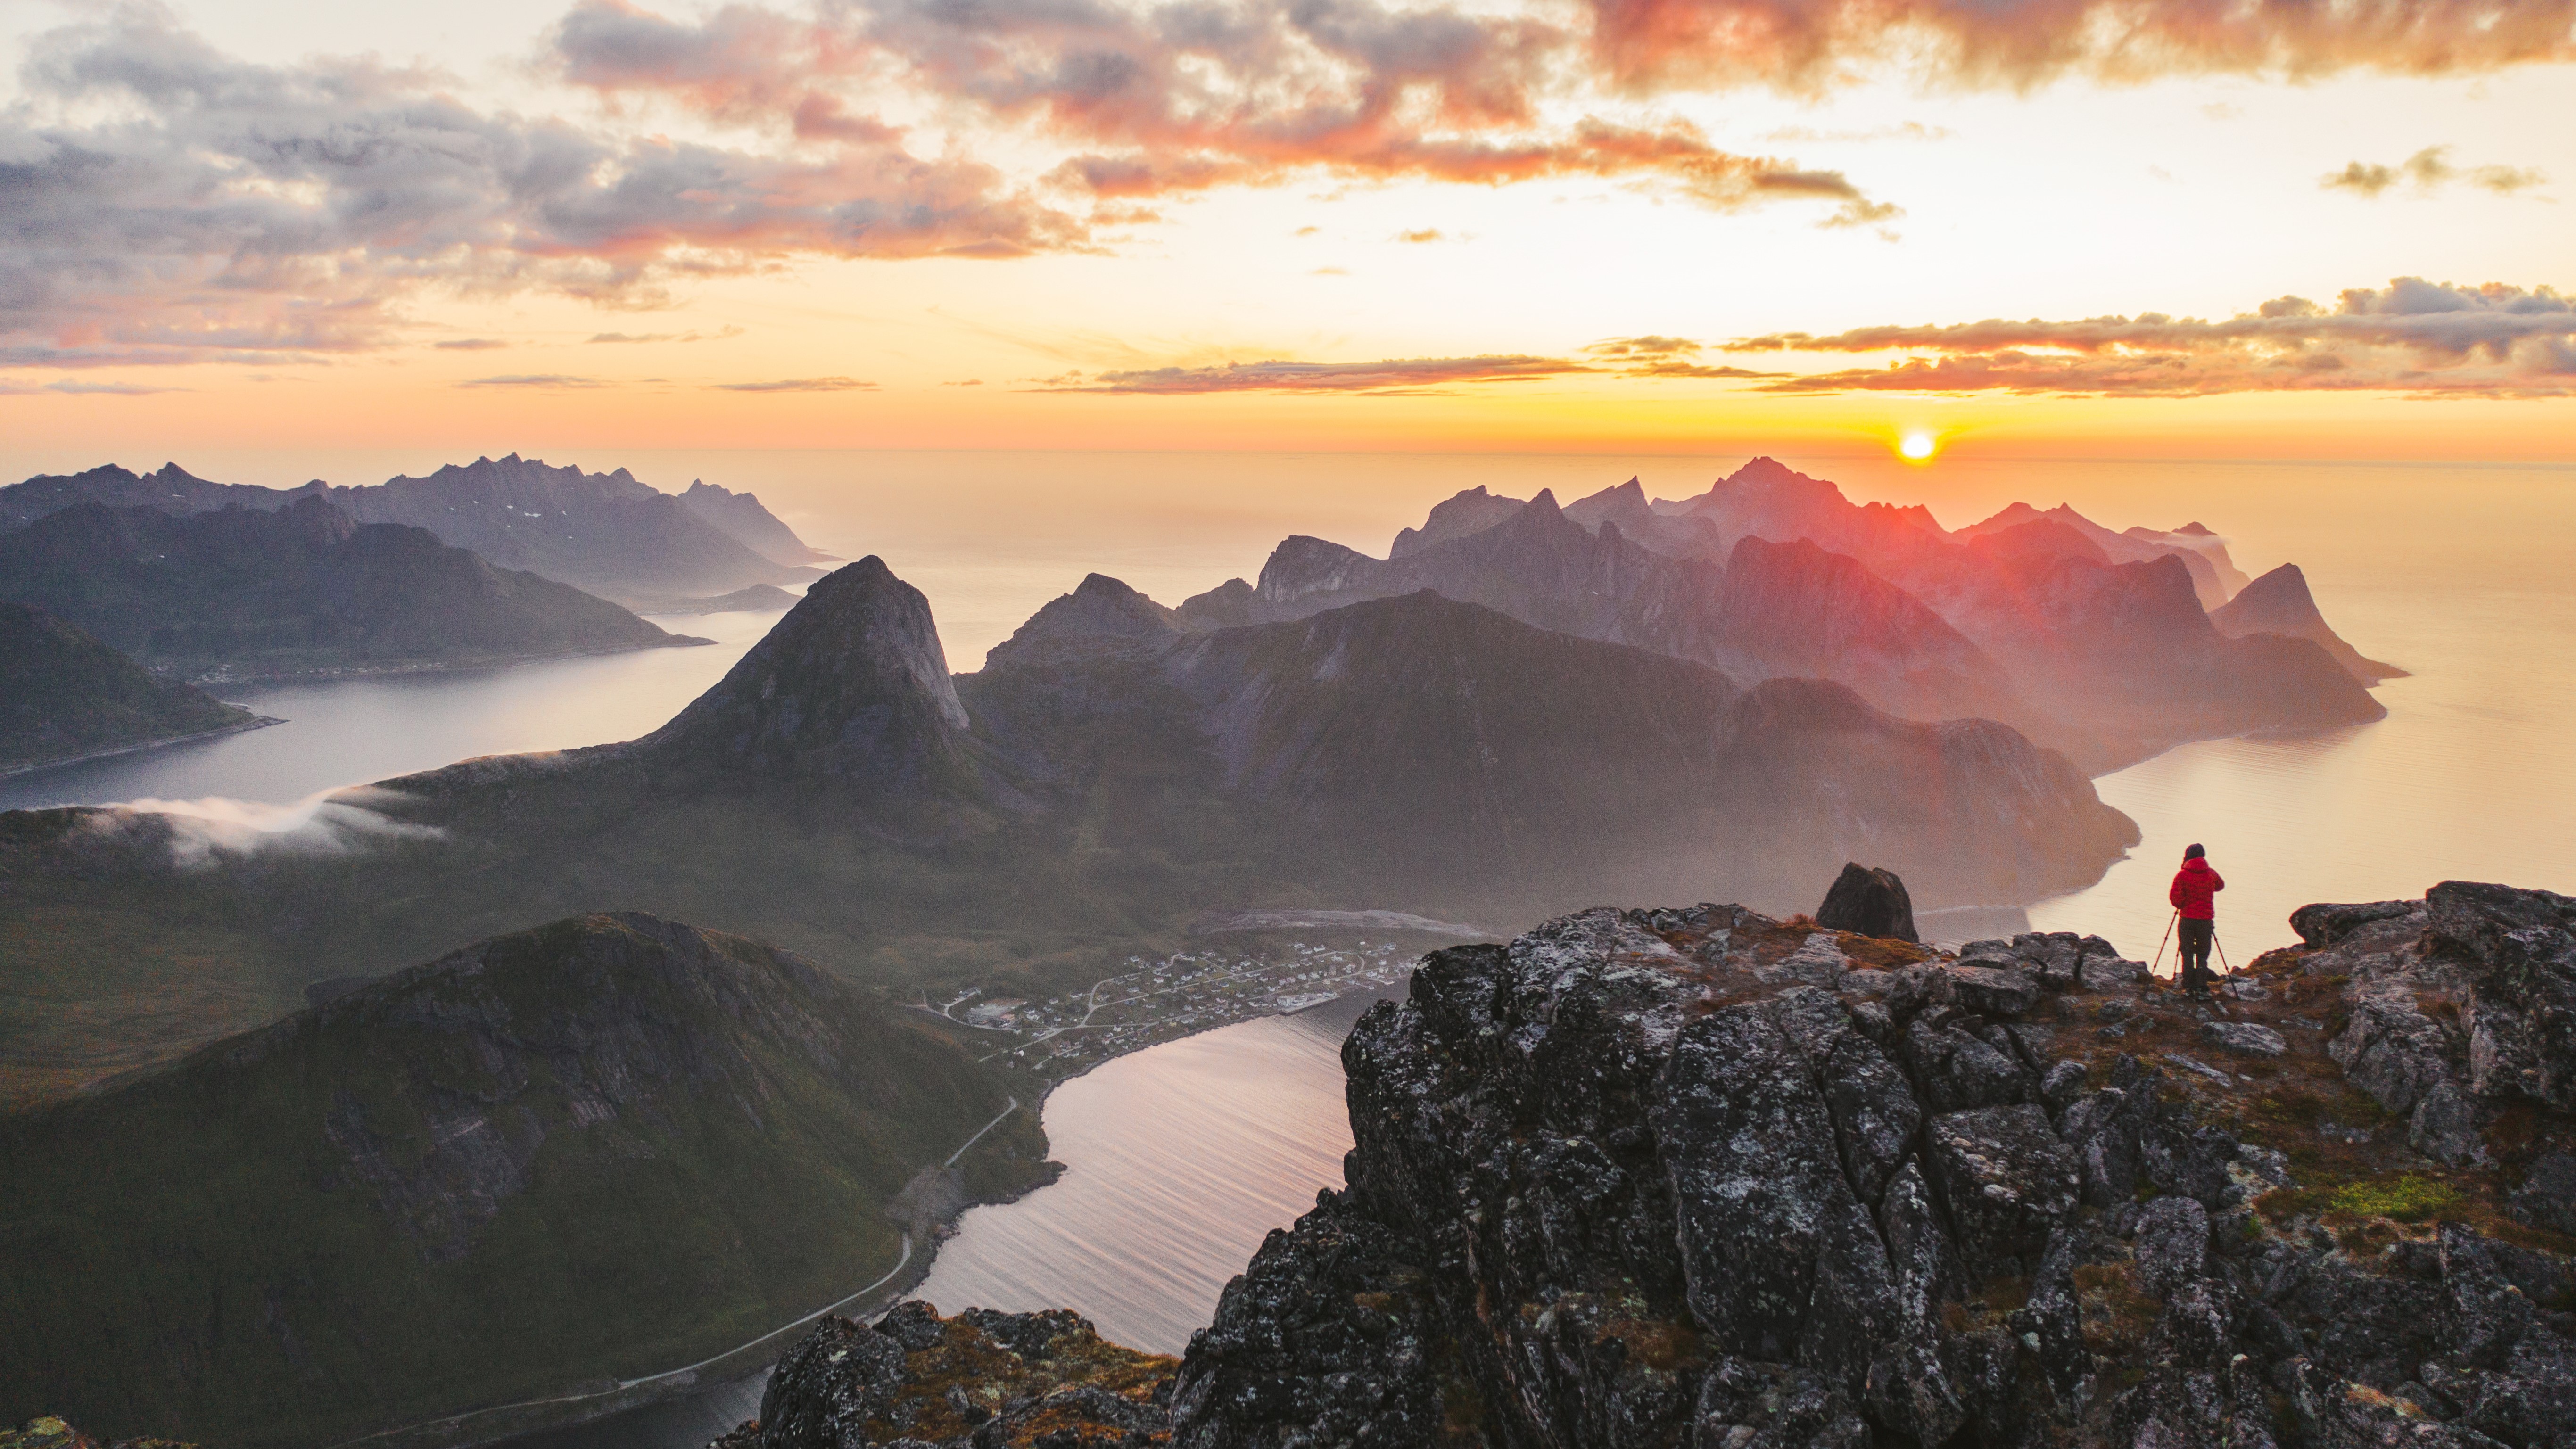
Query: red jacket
(2193, 886)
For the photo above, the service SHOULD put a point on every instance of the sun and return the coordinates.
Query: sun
(1917, 447)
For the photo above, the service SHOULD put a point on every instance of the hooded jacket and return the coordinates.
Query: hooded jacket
(2193, 885)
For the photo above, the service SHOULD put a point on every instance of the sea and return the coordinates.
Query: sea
(1181, 1157)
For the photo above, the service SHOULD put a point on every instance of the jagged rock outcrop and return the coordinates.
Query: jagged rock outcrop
(1657, 1195)
(2279, 603)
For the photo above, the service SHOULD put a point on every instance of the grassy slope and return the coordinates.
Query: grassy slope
(282, 1302)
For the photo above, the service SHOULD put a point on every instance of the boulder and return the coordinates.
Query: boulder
(1868, 901)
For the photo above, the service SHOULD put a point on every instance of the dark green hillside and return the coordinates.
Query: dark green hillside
(64, 694)
(599, 1149)
(303, 588)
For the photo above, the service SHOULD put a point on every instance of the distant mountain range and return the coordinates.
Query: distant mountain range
(595, 1150)
(2094, 642)
(64, 695)
(1112, 773)
(605, 533)
(300, 589)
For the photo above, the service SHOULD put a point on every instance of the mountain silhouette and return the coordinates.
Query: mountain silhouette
(299, 589)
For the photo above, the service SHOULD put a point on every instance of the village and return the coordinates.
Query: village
(1157, 1001)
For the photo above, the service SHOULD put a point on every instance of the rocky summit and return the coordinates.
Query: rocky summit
(1703, 1179)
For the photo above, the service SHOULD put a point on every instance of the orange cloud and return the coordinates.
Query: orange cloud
(1186, 99)
(1810, 44)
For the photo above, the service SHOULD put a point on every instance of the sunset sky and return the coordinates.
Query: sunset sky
(2207, 228)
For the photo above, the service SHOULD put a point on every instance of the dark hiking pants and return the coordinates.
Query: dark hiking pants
(2196, 936)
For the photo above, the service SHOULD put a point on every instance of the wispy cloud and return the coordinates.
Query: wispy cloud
(534, 380)
(718, 335)
(800, 384)
(2411, 336)
(77, 387)
(2430, 170)
(1406, 375)
(470, 344)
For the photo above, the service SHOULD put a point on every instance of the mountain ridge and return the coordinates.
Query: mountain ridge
(603, 532)
(300, 589)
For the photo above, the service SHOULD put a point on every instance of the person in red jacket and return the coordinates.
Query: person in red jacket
(2194, 887)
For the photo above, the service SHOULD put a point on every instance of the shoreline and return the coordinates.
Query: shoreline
(211, 682)
(256, 722)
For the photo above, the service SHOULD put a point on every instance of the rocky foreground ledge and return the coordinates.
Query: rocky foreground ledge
(1702, 1179)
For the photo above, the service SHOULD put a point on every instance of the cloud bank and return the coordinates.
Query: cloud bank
(163, 202)
(2411, 336)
